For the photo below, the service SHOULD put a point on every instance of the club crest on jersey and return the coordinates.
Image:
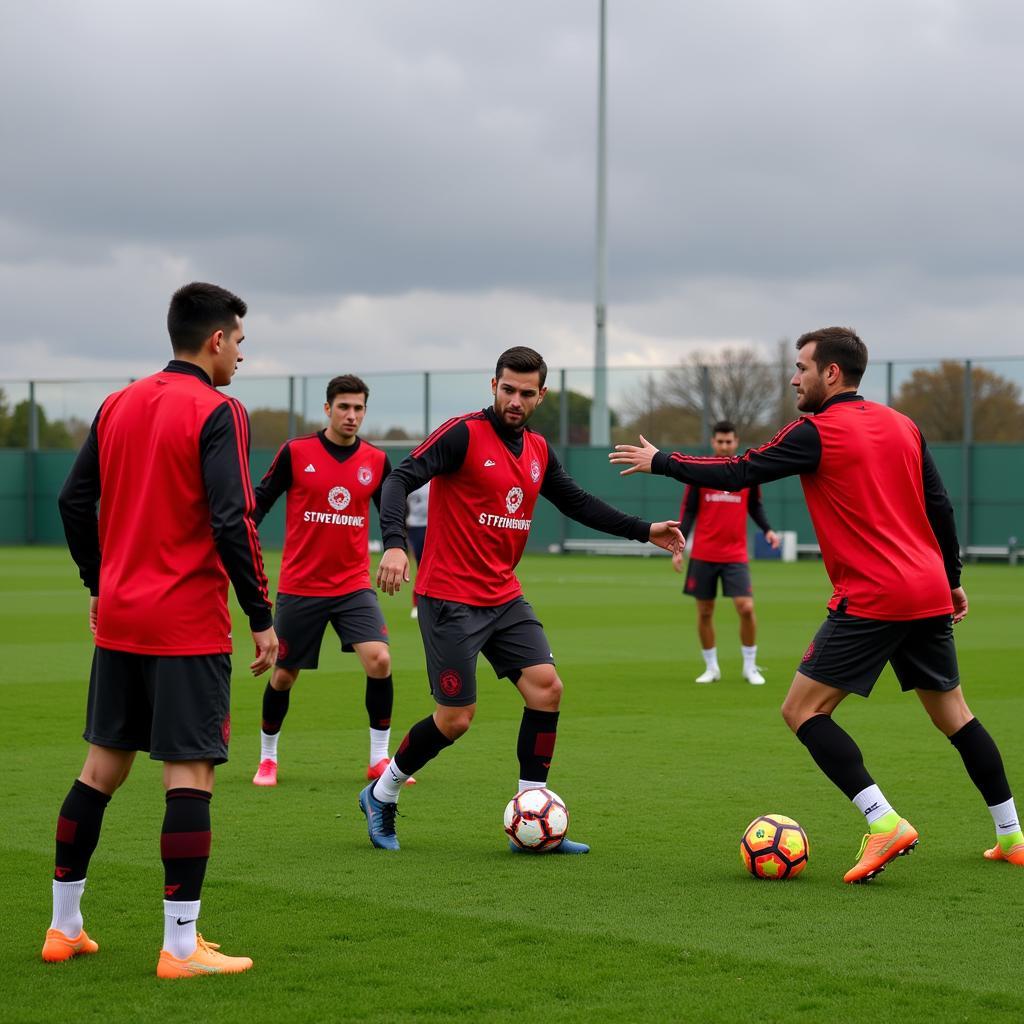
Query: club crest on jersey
(365, 475)
(514, 499)
(338, 498)
(534, 470)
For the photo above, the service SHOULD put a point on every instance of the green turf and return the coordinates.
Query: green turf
(660, 775)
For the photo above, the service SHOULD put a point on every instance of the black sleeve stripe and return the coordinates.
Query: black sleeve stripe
(725, 460)
(280, 451)
(441, 431)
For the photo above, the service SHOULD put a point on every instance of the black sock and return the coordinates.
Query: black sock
(422, 743)
(185, 843)
(982, 761)
(835, 753)
(275, 707)
(78, 831)
(380, 696)
(536, 744)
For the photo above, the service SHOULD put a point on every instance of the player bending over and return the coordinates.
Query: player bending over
(718, 551)
(888, 539)
(488, 469)
(330, 478)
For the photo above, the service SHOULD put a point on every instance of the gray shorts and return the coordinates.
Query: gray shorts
(702, 579)
(300, 623)
(176, 707)
(509, 636)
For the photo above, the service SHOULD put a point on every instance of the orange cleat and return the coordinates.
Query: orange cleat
(1015, 854)
(205, 960)
(58, 947)
(375, 771)
(877, 849)
(266, 774)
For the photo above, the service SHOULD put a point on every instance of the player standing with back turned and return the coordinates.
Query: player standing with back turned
(487, 470)
(330, 478)
(167, 459)
(888, 539)
(718, 551)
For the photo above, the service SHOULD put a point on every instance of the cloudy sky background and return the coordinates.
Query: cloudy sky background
(411, 185)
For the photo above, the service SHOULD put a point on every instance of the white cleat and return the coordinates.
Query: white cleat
(710, 675)
(754, 677)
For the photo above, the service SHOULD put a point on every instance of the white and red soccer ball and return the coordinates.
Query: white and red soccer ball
(536, 819)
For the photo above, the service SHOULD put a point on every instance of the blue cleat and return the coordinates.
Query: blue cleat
(565, 846)
(380, 819)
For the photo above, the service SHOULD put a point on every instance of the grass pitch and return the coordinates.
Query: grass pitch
(661, 776)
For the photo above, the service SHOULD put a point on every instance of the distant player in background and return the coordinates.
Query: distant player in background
(416, 523)
(888, 540)
(488, 469)
(330, 478)
(167, 459)
(718, 551)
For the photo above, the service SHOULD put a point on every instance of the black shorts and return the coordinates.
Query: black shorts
(177, 708)
(300, 623)
(850, 653)
(417, 535)
(509, 636)
(702, 579)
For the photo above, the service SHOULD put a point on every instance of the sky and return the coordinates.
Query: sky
(411, 185)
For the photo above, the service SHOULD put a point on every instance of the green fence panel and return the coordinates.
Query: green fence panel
(13, 496)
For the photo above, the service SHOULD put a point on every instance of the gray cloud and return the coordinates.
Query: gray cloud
(416, 181)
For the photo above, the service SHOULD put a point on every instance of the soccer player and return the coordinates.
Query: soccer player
(416, 522)
(330, 478)
(718, 551)
(888, 539)
(167, 460)
(487, 470)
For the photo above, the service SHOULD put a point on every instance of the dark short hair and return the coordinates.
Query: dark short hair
(839, 345)
(347, 384)
(197, 310)
(521, 359)
(724, 427)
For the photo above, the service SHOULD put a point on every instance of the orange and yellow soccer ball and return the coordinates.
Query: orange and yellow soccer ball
(774, 847)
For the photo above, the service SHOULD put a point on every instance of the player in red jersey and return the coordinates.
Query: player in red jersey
(167, 459)
(888, 540)
(718, 551)
(330, 478)
(487, 470)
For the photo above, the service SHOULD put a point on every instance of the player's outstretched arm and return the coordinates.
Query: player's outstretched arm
(393, 570)
(636, 458)
(266, 650)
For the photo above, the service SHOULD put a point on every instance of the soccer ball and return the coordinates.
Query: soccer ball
(536, 819)
(775, 847)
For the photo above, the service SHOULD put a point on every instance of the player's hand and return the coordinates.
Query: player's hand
(677, 561)
(666, 535)
(393, 570)
(266, 650)
(959, 604)
(94, 605)
(635, 459)
(774, 539)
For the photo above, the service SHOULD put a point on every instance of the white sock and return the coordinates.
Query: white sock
(180, 927)
(390, 784)
(749, 657)
(711, 657)
(67, 913)
(1004, 815)
(872, 804)
(268, 746)
(527, 784)
(379, 739)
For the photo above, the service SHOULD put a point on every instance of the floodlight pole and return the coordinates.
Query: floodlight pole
(599, 421)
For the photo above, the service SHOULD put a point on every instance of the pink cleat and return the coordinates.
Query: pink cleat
(266, 774)
(375, 771)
